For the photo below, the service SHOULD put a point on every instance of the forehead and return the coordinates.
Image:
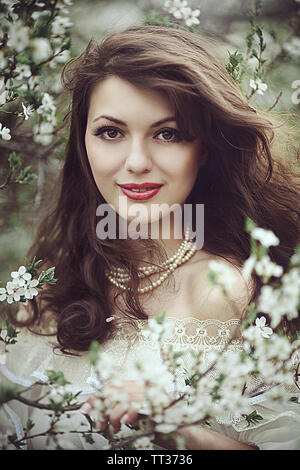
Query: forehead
(125, 100)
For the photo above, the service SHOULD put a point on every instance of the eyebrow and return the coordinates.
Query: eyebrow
(122, 123)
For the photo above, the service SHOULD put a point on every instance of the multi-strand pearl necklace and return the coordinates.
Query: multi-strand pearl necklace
(119, 278)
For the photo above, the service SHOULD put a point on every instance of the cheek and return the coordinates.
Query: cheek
(102, 162)
(187, 165)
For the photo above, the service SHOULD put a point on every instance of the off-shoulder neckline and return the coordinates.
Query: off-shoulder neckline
(195, 319)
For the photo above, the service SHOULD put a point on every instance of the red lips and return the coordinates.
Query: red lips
(147, 190)
(140, 186)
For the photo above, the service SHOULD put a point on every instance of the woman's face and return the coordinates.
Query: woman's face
(132, 137)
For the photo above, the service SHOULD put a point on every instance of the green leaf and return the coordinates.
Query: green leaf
(47, 276)
(29, 425)
(14, 161)
(57, 377)
(160, 318)
(25, 175)
(251, 315)
(155, 18)
(8, 392)
(31, 266)
(249, 225)
(253, 418)
(88, 438)
(94, 351)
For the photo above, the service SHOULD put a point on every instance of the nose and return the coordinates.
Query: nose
(138, 159)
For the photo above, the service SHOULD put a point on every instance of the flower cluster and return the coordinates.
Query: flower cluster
(205, 395)
(34, 43)
(22, 285)
(47, 110)
(280, 301)
(180, 10)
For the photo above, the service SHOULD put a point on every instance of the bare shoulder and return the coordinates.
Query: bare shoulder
(209, 301)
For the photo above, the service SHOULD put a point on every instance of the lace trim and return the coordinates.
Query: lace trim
(189, 332)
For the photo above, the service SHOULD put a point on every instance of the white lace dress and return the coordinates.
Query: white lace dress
(33, 355)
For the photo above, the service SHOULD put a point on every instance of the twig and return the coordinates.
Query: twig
(275, 103)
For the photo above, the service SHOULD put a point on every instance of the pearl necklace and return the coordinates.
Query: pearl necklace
(119, 278)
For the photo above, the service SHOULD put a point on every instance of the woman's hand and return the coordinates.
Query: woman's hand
(126, 413)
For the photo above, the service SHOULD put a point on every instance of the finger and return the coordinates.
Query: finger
(115, 417)
(131, 416)
(88, 405)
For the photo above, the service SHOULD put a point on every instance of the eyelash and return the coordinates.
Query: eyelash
(99, 132)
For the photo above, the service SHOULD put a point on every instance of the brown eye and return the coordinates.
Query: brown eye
(107, 133)
(168, 135)
(112, 133)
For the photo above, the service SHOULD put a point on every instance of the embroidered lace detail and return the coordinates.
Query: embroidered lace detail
(190, 332)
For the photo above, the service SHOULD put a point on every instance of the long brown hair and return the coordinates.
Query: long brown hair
(244, 176)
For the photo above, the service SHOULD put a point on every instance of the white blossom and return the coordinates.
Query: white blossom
(4, 132)
(14, 292)
(144, 443)
(21, 276)
(3, 294)
(22, 71)
(47, 109)
(258, 86)
(224, 273)
(30, 290)
(266, 237)
(249, 265)
(18, 36)
(41, 49)
(264, 330)
(60, 24)
(60, 57)
(43, 133)
(178, 8)
(265, 267)
(27, 111)
(109, 319)
(191, 16)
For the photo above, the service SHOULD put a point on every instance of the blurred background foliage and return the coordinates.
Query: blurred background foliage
(226, 22)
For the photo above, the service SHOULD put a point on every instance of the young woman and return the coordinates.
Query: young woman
(153, 105)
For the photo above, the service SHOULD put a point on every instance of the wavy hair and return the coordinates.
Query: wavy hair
(247, 174)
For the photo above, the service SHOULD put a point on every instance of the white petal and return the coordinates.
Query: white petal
(27, 276)
(22, 270)
(267, 332)
(260, 321)
(33, 291)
